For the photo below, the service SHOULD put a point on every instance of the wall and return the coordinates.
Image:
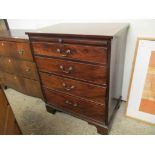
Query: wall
(29, 24)
(138, 28)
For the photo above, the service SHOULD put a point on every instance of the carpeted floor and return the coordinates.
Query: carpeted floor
(33, 119)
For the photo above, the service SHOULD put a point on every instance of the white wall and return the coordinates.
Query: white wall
(29, 24)
(138, 28)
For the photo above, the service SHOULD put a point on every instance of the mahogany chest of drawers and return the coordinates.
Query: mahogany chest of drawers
(17, 68)
(81, 69)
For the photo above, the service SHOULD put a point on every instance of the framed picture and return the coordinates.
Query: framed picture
(141, 96)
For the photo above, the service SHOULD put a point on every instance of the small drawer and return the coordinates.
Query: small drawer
(74, 87)
(75, 105)
(19, 67)
(19, 50)
(87, 72)
(94, 54)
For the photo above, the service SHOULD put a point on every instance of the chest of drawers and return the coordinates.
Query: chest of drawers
(17, 68)
(81, 69)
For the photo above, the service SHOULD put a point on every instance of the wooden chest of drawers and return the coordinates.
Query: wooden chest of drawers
(17, 69)
(81, 69)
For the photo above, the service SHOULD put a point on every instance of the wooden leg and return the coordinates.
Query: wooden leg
(50, 109)
(5, 87)
(102, 130)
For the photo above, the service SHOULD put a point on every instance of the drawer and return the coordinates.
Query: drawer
(19, 67)
(95, 54)
(19, 50)
(75, 105)
(74, 87)
(86, 72)
(24, 85)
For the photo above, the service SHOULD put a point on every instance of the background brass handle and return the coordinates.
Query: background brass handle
(21, 52)
(64, 53)
(9, 60)
(66, 71)
(67, 88)
(28, 69)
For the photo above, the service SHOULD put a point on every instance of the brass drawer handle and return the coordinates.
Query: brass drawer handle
(9, 60)
(73, 104)
(28, 69)
(67, 88)
(66, 71)
(21, 52)
(2, 44)
(67, 102)
(64, 53)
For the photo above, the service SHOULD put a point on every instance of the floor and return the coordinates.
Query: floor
(33, 119)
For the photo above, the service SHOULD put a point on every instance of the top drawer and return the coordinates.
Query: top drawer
(95, 54)
(19, 50)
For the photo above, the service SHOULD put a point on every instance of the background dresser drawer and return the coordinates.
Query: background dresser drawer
(75, 105)
(86, 72)
(19, 67)
(94, 54)
(24, 85)
(19, 50)
(74, 87)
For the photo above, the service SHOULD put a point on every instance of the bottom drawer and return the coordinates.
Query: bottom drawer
(24, 85)
(75, 105)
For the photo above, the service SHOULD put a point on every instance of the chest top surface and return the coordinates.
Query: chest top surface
(87, 29)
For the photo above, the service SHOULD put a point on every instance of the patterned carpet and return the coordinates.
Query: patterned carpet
(33, 119)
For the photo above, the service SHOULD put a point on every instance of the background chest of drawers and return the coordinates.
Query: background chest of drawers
(17, 69)
(81, 69)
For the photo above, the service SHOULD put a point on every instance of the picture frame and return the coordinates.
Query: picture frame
(140, 100)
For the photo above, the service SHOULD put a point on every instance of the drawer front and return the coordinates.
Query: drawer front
(94, 54)
(75, 105)
(86, 72)
(74, 87)
(19, 67)
(19, 50)
(26, 86)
